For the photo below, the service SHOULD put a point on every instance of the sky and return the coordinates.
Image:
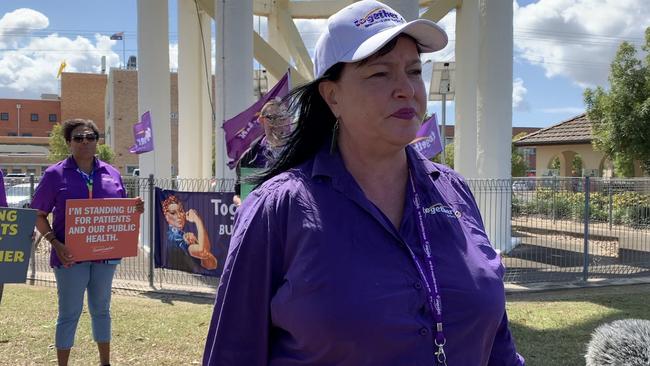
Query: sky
(560, 48)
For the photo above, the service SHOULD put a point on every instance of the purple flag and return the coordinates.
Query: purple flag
(244, 129)
(427, 141)
(143, 135)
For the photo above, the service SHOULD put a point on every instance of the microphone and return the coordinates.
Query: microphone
(623, 342)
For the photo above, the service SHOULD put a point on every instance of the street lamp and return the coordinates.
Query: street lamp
(18, 106)
(442, 88)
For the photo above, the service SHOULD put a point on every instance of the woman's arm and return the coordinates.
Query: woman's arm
(201, 246)
(504, 352)
(241, 321)
(43, 227)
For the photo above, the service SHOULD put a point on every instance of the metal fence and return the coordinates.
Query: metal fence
(566, 229)
(547, 229)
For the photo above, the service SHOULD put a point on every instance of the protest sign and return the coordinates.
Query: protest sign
(193, 230)
(16, 229)
(102, 229)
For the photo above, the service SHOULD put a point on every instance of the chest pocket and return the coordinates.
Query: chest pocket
(110, 188)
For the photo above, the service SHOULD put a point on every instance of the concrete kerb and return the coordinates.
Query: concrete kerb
(513, 288)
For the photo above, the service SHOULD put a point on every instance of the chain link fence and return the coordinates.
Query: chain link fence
(551, 229)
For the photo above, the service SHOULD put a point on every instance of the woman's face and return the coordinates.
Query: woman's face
(175, 216)
(276, 122)
(380, 103)
(83, 143)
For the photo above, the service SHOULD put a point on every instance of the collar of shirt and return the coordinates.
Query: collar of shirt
(330, 165)
(70, 163)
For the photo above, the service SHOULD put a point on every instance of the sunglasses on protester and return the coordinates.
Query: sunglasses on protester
(275, 117)
(90, 137)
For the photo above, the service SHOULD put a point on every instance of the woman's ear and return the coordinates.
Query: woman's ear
(327, 91)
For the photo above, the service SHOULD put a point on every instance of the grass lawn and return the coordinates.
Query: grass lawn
(551, 328)
(146, 331)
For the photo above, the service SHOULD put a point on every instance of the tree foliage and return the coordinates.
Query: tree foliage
(620, 116)
(518, 162)
(59, 149)
(449, 156)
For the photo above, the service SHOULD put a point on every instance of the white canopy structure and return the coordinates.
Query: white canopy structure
(483, 85)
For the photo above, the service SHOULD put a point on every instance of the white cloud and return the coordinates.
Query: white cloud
(18, 24)
(577, 39)
(29, 63)
(564, 110)
(519, 91)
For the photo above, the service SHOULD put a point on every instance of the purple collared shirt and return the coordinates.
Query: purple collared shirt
(3, 194)
(317, 275)
(62, 181)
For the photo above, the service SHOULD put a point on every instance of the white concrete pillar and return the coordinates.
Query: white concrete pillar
(494, 116)
(233, 70)
(154, 85)
(154, 96)
(494, 96)
(207, 99)
(409, 9)
(194, 121)
(467, 61)
(276, 38)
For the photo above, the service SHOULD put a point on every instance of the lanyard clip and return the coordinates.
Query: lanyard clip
(440, 353)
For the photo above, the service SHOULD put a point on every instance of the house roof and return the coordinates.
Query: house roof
(574, 131)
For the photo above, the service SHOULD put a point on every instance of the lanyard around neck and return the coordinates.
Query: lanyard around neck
(88, 178)
(428, 275)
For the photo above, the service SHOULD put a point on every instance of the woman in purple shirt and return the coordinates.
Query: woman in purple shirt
(355, 249)
(81, 175)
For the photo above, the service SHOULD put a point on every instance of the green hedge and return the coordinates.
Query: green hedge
(628, 208)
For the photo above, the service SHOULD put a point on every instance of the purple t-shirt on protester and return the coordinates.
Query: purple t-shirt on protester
(317, 275)
(3, 194)
(62, 181)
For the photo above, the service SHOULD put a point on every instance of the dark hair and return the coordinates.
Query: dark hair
(315, 120)
(69, 126)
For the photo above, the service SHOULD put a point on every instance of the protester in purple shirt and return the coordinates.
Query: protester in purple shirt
(355, 249)
(3, 194)
(81, 175)
(277, 127)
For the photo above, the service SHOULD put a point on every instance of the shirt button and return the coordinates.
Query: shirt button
(424, 331)
(417, 285)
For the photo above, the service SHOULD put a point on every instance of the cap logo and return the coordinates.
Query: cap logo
(378, 15)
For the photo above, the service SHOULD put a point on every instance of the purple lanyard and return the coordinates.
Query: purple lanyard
(429, 278)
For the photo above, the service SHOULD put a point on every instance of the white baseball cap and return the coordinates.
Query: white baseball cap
(361, 29)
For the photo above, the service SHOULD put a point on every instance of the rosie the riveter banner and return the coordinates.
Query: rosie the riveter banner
(193, 230)
(102, 229)
(16, 229)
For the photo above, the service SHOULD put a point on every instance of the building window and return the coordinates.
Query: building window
(34, 117)
(12, 134)
(31, 171)
(26, 134)
(4, 116)
(16, 171)
(52, 117)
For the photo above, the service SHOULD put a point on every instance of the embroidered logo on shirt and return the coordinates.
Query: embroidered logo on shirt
(439, 208)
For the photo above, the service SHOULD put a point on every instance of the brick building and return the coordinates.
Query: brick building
(121, 108)
(82, 96)
(25, 125)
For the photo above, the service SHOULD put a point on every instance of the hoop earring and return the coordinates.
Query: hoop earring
(335, 133)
